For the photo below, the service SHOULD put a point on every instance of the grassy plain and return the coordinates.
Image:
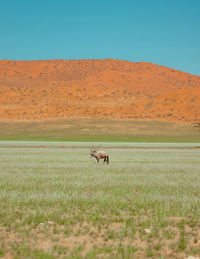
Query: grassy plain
(58, 203)
(100, 130)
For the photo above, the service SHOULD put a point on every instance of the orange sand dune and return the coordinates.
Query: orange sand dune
(38, 90)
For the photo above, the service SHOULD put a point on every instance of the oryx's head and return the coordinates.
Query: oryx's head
(93, 151)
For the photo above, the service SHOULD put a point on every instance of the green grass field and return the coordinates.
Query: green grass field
(102, 130)
(58, 203)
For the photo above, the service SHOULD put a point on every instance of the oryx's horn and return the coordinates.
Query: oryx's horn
(92, 148)
(97, 148)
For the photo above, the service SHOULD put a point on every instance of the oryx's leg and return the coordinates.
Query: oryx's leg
(104, 160)
(107, 160)
(97, 160)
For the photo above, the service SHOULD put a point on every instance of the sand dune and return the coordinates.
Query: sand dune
(40, 90)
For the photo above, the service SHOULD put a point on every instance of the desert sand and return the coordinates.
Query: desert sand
(56, 89)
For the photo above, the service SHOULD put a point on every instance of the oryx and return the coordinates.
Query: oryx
(99, 154)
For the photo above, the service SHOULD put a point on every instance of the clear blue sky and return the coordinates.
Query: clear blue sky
(165, 32)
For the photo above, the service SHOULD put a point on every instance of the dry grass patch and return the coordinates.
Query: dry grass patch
(105, 239)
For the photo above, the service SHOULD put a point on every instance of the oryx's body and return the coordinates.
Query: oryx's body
(100, 154)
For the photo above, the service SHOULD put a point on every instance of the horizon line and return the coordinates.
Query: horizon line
(89, 59)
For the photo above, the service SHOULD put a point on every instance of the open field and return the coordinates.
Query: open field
(58, 203)
(100, 130)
